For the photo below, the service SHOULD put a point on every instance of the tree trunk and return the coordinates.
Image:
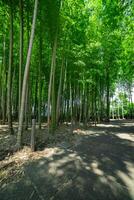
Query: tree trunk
(118, 110)
(26, 77)
(71, 106)
(51, 82)
(53, 118)
(26, 113)
(122, 107)
(4, 82)
(108, 99)
(39, 82)
(59, 93)
(35, 97)
(9, 81)
(27, 101)
(85, 105)
(21, 50)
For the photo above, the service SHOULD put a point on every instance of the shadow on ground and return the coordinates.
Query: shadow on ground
(99, 167)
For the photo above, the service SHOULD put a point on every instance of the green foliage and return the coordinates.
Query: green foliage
(95, 40)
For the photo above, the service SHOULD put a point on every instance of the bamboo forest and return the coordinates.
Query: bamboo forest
(66, 100)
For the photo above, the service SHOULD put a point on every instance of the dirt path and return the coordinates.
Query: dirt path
(99, 166)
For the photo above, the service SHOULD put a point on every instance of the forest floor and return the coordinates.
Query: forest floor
(96, 163)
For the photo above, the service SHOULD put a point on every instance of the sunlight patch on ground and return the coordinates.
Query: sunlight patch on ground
(88, 132)
(126, 136)
(3, 128)
(95, 169)
(112, 183)
(128, 124)
(54, 167)
(80, 132)
(108, 125)
(105, 179)
(128, 178)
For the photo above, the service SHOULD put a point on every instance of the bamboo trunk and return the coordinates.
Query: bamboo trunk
(26, 77)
